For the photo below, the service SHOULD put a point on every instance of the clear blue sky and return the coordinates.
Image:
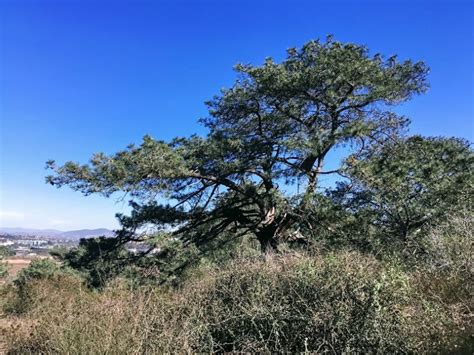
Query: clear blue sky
(79, 77)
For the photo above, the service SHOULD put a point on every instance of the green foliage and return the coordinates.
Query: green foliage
(274, 126)
(396, 189)
(4, 252)
(39, 269)
(97, 259)
(3, 269)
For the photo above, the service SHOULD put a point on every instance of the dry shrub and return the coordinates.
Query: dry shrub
(339, 303)
(344, 301)
(448, 275)
(70, 318)
(451, 245)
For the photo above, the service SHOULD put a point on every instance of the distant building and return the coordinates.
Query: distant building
(22, 251)
(32, 242)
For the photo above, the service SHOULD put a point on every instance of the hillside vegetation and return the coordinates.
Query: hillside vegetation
(244, 248)
(297, 301)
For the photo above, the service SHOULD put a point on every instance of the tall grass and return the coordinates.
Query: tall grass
(343, 301)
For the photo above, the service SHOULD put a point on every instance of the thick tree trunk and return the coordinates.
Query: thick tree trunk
(267, 232)
(266, 235)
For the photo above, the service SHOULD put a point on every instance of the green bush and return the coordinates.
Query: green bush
(4, 252)
(39, 269)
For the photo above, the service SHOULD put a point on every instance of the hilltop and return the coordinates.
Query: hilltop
(74, 234)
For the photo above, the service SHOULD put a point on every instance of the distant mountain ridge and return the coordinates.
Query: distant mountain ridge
(74, 234)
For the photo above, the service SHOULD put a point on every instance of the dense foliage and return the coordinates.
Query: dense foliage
(395, 190)
(97, 259)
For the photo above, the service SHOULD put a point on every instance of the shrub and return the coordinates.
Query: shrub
(39, 269)
(4, 252)
(338, 303)
(98, 260)
(448, 272)
(450, 245)
(342, 301)
(71, 318)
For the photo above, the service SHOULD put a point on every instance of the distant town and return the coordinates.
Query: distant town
(30, 243)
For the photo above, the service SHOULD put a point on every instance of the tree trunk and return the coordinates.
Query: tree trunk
(266, 235)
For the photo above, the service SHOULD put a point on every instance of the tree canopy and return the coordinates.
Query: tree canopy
(406, 183)
(275, 126)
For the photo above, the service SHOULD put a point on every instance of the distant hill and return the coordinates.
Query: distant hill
(75, 234)
(87, 233)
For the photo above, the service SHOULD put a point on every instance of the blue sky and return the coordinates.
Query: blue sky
(77, 77)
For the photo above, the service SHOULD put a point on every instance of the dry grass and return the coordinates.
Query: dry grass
(288, 303)
(69, 318)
